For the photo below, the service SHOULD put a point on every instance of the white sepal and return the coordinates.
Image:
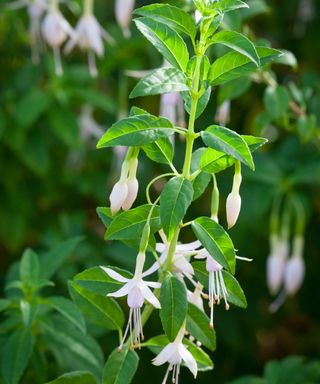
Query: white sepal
(118, 196)
(294, 274)
(233, 208)
(133, 187)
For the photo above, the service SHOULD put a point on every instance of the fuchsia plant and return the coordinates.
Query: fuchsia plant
(179, 282)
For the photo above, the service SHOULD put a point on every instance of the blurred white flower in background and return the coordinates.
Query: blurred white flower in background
(89, 35)
(88, 126)
(55, 30)
(123, 13)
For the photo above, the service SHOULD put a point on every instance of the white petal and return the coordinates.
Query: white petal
(123, 291)
(165, 354)
(189, 246)
(233, 208)
(148, 295)
(114, 275)
(118, 196)
(188, 359)
(153, 284)
(294, 274)
(183, 265)
(155, 266)
(133, 187)
(160, 247)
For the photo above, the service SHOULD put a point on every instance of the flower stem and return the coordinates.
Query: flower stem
(190, 135)
(88, 7)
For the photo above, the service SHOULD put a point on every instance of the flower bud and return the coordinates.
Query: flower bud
(118, 196)
(234, 201)
(133, 187)
(233, 208)
(123, 11)
(54, 28)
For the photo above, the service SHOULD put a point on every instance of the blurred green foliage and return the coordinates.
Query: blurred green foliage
(52, 180)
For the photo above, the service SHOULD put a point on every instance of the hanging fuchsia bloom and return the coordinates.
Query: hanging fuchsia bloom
(175, 353)
(89, 35)
(295, 268)
(137, 291)
(181, 264)
(276, 263)
(55, 30)
(123, 11)
(217, 287)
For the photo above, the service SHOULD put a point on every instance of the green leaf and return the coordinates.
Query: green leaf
(120, 367)
(76, 377)
(233, 65)
(201, 182)
(198, 326)
(288, 58)
(225, 140)
(233, 89)
(157, 343)
(130, 224)
(31, 106)
(174, 305)
(161, 151)
(229, 5)
(52, 260)
(276, 101)
(238, 43)
(29, 267)
(202, 103)
(97, 281)
(162, 80)
(254, 142)
(29, 312)
(16, 353)
(174, 201)
(235, 292)
(102, 311)
(216, 241)
(67, 309)
(175, 17)
(166, 40)
(213, 161)
(105, 215)
(136, 130)
(66, 340)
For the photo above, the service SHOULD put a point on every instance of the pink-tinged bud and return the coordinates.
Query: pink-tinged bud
(123, 11)
(233, 208)
(223, 113)
(55, 28)
(294, 274)
(135, 298)
(118, 196)
(133, 187)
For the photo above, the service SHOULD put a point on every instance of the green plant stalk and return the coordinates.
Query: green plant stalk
(190, 135)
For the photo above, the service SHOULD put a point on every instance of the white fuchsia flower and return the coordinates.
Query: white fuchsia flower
(181, 264)
(55, 30)
(89, 35)
(132, 184)
(295, 268)
(88, 126)
(276, 263)
(137, 291)
(123, 12)
(175, 353)
(195, 297)
(223, 113)
(217, 287)
(233, 205)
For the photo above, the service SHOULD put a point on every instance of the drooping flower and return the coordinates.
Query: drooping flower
(233, 205)
(217, 287)
(137, 291)
(195, 297)
(123, 12)
(181, 264)
(223, 113)
(175, 353)
(276, 263)
(89, 35)
(55, 30)
(295, 268)
(88, 126)
(132, 184)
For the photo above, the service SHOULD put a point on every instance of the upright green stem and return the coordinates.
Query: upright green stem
(88, 7)
(190, 136)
